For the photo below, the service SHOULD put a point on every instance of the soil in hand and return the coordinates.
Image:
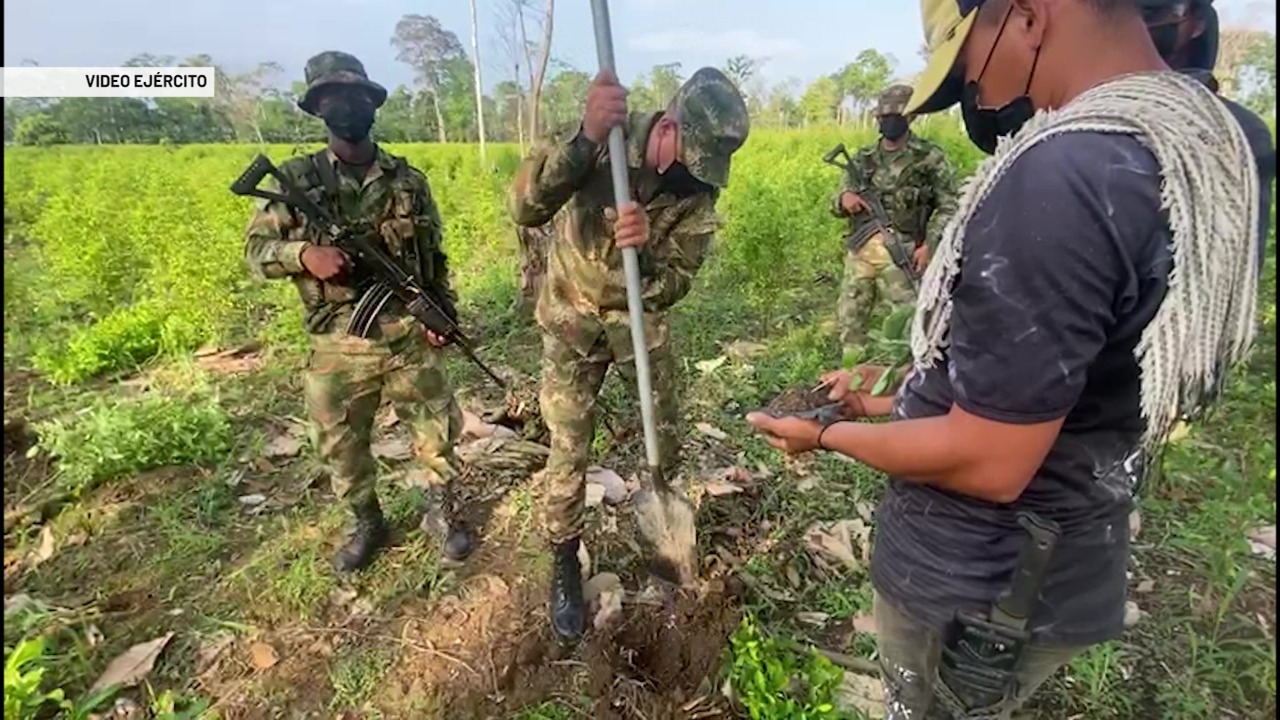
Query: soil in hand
(798, 400)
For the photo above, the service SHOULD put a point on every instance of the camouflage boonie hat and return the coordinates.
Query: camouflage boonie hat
(337, 68)
(893, 101)
(713, 124)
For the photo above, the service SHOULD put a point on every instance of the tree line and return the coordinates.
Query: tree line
(542, 96)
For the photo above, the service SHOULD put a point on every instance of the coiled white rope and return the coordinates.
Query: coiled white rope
(1207, 320)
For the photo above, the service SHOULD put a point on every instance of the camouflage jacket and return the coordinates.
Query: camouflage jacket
(584, 297)
(394, 202)
(914, 183)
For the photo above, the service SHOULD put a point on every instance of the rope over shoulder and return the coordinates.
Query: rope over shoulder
(1207, 319)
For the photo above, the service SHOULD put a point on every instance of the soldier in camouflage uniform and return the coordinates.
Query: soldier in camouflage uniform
(678, 160)
(347, 375)
(913, 181)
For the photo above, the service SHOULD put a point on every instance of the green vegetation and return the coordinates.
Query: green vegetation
(122, 262)
(773, 684)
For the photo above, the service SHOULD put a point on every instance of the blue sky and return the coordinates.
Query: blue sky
(800, 38)
(238, 33)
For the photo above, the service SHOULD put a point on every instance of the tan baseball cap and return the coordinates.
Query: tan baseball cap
(947, 24)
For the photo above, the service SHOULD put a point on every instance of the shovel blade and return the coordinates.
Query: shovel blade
(666, 522)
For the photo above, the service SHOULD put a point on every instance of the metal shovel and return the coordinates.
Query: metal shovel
(663, 514)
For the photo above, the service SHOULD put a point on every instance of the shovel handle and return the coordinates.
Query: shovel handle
(630, 261)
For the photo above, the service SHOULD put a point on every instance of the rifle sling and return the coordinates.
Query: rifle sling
(328, 179)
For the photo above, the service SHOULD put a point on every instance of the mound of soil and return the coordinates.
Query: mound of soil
(17, 439)
(21, 473)
(655, 662)
(673, 648)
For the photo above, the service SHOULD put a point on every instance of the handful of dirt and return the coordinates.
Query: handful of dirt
(806, 402)
(798, 399)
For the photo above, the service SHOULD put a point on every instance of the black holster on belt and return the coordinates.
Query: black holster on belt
(981, 656)
(978, 668)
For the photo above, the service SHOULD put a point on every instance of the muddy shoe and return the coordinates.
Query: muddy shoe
(566, 594)
(369, 536)
(455, 541)
(457, 544)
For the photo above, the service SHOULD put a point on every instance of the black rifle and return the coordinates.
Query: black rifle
(388, 279)
(879, 221)
(980, 655)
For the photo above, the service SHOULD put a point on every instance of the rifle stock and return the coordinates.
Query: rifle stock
(435, 314)
(832, 157)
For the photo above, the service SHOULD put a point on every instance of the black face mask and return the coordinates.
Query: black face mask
(678, 181)
(893, 127)
(1165, 38)
(987, 125)
(349, 119)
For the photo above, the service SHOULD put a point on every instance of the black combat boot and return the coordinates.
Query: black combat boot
(440, 522)
(566, 593)
(369, 536)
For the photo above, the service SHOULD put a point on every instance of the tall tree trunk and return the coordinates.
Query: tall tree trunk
(519, 109)
(475, 51)
(257, 122)
(435, 105)
(528, 64)
(535, 100)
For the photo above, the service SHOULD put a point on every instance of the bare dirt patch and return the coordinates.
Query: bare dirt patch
(659, 659)
(486, 650)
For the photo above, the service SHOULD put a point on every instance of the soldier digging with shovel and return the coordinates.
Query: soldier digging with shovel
(670, 166)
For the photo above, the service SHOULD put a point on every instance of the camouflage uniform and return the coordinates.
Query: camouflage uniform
(346, 375)
(916, 186)
(582, 306)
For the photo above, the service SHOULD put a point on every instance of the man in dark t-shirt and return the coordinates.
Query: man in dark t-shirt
(1185, 33)
(1034, 405)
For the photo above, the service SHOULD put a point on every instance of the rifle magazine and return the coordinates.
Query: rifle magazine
(368, 308)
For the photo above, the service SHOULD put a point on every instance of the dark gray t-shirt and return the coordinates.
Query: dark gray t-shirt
(1063, 267)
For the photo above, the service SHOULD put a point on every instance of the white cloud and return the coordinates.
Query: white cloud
(717, 42)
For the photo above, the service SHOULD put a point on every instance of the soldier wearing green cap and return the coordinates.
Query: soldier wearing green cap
(916, 186)
(678, 159)
(347, 375)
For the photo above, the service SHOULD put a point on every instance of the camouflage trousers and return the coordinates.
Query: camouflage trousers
(570, 385)
(873, 285)
(346, 379)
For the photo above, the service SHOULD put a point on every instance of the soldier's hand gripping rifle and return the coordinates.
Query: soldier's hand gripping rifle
(388, 279)
(879, 218)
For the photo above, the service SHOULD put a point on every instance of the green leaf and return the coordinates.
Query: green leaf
(896, 324)
(883, 383)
